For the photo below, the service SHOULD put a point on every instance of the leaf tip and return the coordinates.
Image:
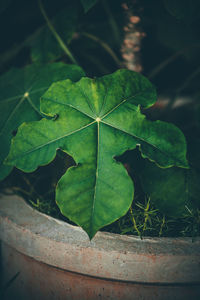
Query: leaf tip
(185, 164)
(90, 234)
(7, 160)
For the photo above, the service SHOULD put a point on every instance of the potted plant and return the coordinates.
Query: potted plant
(55, 109)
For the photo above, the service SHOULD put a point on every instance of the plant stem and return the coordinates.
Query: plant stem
(187, 81)
(98, 63)
(163, 64)
(18, 189)
(39, 112)
(162, 225)
(181, 88)
(34, 107)
(112, 21)
(146, 215)
(9, 54)
(56, 35)
(169, 60)
(103, 45)
(134, 223)
(31, 187)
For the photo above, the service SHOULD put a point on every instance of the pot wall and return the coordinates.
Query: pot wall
(57, 261)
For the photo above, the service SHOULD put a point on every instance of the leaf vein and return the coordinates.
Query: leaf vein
(12, 114)
(143, 140)
(52, 141)
(70, 105)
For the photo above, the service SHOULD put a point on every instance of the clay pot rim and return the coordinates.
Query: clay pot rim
(106, 234)
(108, 255)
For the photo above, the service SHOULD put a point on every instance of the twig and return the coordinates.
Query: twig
(20, 190)
(9, 54)
(103, 45)
(98, 63)
(169, 60)
(187, 81)
(56, 35)
(181, 88)
(113, 23)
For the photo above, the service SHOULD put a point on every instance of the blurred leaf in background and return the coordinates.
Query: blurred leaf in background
(21, 90)
(87, 4)
(45, 48)
(171, 190)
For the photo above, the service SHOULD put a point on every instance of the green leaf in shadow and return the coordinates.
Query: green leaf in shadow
(45, 48)
(21, 90)
(173, 190)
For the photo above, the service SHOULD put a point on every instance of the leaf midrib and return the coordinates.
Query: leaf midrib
(71, 106)
(96, 180)
(82, 128)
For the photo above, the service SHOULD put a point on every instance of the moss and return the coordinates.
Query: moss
(142, 219)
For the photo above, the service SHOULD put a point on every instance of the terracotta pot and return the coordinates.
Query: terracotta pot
(50, 259)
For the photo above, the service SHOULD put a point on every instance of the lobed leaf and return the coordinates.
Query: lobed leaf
(98, 119)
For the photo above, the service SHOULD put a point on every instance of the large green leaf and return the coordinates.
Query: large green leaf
(44, 47)
(98, 119)
(173, 190)
(19, 98)
(87, 4)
